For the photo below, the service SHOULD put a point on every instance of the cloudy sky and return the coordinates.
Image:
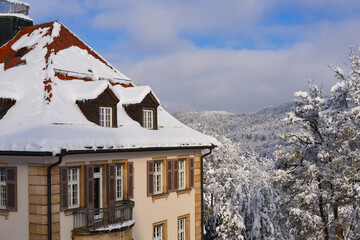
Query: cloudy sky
(232, 55)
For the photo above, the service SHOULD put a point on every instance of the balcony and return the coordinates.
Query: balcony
(104, 219)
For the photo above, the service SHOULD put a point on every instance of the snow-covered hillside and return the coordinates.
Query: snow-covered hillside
(237, 185)
(259, 132)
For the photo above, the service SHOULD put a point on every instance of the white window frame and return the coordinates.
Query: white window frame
(148, 118)
(182, 229)
(158, 168)
(2, 188)
(158, 232)
(119, 182)
(182, 173)
(105, 117)
(73, 187)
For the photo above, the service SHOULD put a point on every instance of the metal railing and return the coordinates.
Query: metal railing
(91, 219)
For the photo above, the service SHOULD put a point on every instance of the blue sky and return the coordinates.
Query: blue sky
(232, 55)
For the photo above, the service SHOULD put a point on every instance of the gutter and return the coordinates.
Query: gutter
(99, 150)
(202, 187)
(63, 152)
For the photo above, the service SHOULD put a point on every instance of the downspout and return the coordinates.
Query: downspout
(62, 153)
(202, 188)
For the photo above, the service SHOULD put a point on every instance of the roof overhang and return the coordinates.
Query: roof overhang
(94, 151)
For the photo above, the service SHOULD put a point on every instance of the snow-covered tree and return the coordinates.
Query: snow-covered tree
(319, 173)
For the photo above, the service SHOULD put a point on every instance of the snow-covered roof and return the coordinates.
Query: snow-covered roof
(46, 69)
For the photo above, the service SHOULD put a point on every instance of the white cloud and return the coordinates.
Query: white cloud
(244, 80)
(154, 44)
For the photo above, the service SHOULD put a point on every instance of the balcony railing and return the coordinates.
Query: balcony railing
(99, 218)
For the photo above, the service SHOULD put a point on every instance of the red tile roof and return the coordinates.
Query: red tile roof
(66, 39)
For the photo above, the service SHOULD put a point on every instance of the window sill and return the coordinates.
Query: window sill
(159, 196)
(184, 191)
(5, 213)
(70, 211)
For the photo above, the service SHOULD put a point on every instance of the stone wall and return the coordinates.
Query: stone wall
(38, 225)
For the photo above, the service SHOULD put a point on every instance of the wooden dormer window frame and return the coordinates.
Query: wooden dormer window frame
(145, 112)
(5, 105)
(101, 110)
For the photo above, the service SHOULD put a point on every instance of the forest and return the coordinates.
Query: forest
(289, 171)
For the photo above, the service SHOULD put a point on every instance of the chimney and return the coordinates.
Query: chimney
(14, 15)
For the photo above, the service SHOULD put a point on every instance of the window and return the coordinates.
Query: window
(119, 182)
(148, 118)
(105, 116)
(160, 230)
(2, 188)
(165, 176)
(181, 172)
(73, 187)
(158, 177)
(184, 227)
(8, 188)
(181, 229)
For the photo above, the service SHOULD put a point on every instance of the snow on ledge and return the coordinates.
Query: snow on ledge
(118, 226)
(19, 15)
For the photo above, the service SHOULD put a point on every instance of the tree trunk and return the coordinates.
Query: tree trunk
(339, 231)
(322, 213)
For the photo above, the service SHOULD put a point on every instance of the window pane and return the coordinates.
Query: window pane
(181, 229)
(73, 187)
(105, 116)
(158, 232)
(119, 182)
(148, 118)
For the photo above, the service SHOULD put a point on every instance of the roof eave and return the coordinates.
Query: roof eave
(91, 151)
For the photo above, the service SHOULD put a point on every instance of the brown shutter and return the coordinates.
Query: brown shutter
(11, 201)
(111, 186)
(64, 188)
(191, 168)
(150, 178)
(170, 187)
(176, 175)
(89, 186)
(130, 180)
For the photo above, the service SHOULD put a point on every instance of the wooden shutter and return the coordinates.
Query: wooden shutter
(130, 180)
(111, 185)
(11, 201)
(89, 186)
(64, 202)
(150, 178)
(170, 187)
(176, 175)
(191, 168)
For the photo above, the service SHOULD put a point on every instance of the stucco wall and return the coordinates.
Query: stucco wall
(146, 211)
(16, 224)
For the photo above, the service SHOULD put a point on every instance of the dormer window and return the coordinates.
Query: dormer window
(148, 118)
(5, 105)
(105, 116)
(101, 110)
(144, 112)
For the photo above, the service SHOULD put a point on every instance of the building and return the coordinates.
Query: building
(84, 152)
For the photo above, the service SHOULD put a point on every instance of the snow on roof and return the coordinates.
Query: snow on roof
(19, 15)
(46, 69)
(18, 2)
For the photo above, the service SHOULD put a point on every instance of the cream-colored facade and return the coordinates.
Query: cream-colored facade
(30, 219)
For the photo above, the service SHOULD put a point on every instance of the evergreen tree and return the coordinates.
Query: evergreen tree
(319, 173)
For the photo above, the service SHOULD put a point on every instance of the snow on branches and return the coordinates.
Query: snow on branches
(322, 185)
